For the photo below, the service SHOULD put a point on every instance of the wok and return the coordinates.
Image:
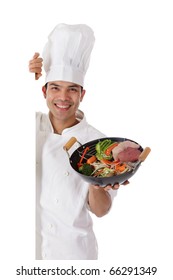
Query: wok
(102, 181)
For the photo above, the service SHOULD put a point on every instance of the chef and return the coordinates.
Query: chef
(64, 229)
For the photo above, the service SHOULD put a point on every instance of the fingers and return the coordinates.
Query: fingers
(113, 187)
(35, 65)
(116, 187)
(125, 183)
(108, 187)
(36, 55)
(35, 68)
(96, 187)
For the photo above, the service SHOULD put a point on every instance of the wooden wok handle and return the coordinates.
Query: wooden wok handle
(144, 154)
(70, 143)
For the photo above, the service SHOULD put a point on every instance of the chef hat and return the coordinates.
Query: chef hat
(67, 53)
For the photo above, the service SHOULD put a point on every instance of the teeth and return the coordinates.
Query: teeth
(62, 106)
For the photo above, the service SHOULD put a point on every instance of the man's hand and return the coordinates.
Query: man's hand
(35, 65)
(99, 198)
(113, 187)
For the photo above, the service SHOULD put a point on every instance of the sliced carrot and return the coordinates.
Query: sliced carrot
(110, 148)
(109, 162)
(82, 157)
(120, 167)
(106, 161)
(91, 159)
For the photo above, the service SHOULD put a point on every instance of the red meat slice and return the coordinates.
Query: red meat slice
(129, 154)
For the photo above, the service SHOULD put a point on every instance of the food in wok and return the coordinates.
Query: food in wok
(107, 160)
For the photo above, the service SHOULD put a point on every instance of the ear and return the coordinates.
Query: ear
(44, 91)
(82, 95)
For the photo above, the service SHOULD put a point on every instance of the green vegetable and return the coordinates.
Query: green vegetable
(86, 169)
(101, 148)
(107, 172)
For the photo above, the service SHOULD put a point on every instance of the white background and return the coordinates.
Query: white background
(128, 94)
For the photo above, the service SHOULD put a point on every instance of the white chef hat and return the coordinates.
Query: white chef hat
(67, 53)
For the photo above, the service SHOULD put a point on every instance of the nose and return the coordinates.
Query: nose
(64, 94)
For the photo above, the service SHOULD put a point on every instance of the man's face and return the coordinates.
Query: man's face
(63, 99)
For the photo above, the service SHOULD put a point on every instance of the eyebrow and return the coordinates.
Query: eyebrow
(56, 85)
(70, 86)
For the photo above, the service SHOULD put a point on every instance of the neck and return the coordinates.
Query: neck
(60, 125)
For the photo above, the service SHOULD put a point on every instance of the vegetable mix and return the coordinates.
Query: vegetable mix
(101, 162)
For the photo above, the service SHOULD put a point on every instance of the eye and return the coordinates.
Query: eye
(54, 88)
(74, 89)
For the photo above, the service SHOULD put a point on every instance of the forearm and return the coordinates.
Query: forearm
(99, 201)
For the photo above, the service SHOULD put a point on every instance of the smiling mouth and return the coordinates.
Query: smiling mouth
(63, 107)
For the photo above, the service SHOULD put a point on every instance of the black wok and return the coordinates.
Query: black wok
(102, 181)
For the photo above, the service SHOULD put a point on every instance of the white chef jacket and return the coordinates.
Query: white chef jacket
(63, 223)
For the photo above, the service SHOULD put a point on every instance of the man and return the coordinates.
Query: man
(63, 200)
